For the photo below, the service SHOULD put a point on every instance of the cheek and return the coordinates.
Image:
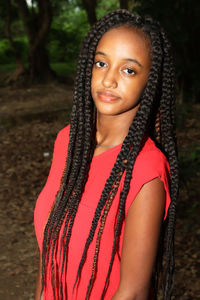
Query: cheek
(139, 85)
(133, 91)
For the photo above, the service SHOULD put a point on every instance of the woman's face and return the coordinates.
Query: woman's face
(120, 72)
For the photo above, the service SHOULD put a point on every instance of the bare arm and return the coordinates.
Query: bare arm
(141, 235)
(38, 283)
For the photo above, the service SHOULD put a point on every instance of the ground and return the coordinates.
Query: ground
(30, 119)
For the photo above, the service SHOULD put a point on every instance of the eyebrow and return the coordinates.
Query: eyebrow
(127, 59)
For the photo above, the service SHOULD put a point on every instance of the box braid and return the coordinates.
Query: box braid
(155, 116)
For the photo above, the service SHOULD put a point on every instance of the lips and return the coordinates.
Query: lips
(107, 96)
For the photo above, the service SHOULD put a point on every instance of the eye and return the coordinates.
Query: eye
(129, 71)
(100, 64)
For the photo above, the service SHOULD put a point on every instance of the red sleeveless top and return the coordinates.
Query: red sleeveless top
(150, 163)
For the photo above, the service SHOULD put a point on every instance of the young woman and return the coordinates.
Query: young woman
(109, 200)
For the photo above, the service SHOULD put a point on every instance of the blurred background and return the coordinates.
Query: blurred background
(39, 45)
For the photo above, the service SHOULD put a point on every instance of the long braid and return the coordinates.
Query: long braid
(81, 148)
(102, 224)
(168, 124)
(149, 95)
(76, 154)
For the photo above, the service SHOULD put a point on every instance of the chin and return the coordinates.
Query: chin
(109, 111)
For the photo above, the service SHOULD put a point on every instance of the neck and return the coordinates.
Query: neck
(112, 130)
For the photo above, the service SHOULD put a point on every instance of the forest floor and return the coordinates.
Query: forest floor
(29, 121)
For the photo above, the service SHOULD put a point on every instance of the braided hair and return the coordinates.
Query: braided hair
(155, 117)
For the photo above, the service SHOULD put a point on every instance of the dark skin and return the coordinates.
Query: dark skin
(120, 72)
(142, 229)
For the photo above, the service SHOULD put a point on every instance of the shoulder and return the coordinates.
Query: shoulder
(150, 163)
(62, 138)
(150, 158)
(61, 145)
(63, 134)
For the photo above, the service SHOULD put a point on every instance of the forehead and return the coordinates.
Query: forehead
(125, 40)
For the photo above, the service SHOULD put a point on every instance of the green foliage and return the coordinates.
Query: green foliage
(70, 25)
(64, 69)
(56, 51)
(18, 35)
(6, 52)
(106, 6)
(18, 31)
(67, 32)
(7, 68)
(21, 44)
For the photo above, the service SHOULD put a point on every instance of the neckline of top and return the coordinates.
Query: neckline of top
(107, 151)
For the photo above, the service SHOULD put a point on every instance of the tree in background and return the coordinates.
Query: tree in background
(10, 16)
(50, 29)
(66, 27)
(124, 4)
(180, 18)
(90, 7)
(36, 20)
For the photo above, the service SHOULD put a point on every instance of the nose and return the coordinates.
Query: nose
(110, 80)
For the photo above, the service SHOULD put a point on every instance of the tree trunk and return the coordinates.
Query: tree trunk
(20, 68)
(90, 7)
(37, 27)
(39, 68)
(123, 4)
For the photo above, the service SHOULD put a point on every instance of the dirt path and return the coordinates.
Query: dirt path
(30, 120)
